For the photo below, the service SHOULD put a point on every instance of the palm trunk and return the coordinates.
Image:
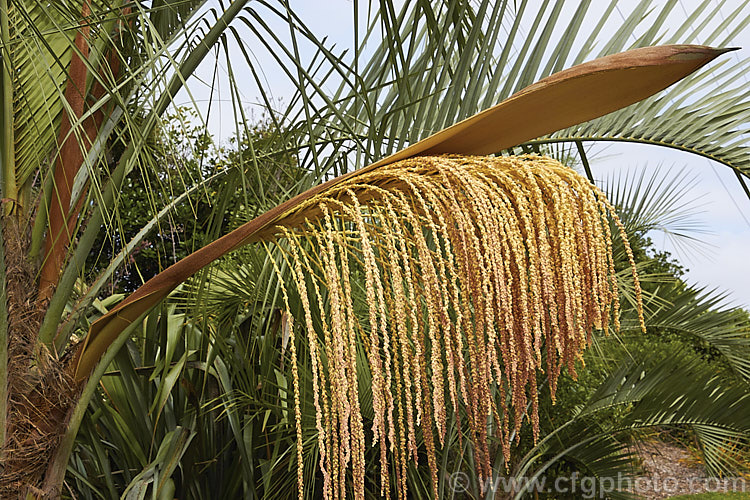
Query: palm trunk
(3, 352)
(39, 392)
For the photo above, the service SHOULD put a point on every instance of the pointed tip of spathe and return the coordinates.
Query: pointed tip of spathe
(686, 53)
(714, 52)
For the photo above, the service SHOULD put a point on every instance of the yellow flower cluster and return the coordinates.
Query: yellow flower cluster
(478, 273)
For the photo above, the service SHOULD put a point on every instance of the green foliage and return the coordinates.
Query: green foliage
(209, 396)
(187, 157)
(146, 417)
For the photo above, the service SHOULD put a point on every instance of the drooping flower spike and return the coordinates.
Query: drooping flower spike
(479, 272)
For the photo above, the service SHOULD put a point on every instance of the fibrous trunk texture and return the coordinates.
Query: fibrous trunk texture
(40, 391)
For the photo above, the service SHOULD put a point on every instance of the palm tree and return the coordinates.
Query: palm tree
(92, 102)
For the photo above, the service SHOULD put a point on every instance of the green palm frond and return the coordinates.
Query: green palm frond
(700, 314)
(407, 90)
(39, 71)
(658, 199)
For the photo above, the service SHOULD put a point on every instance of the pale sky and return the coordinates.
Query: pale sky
(722, 264)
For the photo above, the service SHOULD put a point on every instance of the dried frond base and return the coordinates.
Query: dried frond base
(478, 273)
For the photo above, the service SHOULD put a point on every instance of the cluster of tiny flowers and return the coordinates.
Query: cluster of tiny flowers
(478, 274)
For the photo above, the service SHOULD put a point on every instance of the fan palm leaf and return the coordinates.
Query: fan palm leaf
(654, 395)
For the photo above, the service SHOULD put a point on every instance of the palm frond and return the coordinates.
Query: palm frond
(657, 199)
(698, 313)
